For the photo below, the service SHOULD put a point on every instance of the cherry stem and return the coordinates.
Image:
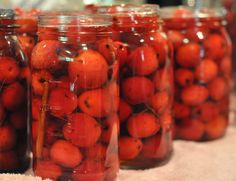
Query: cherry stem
(41, 126)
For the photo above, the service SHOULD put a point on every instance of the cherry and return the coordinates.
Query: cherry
(206, 71)
(13, 96)
(62, 102)
(143, 61)
(9, 70)
(188, 55)
(194, 95)
(82, 130)
(65, 154)
(129, 148)
(191, 129)
(143, 125)
(7, 138)
(44, 55)
(89, 70)
(137, 90)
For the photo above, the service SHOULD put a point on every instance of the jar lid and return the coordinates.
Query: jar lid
(131, 9)
(64, 18)
(189, 12)
(7, 14)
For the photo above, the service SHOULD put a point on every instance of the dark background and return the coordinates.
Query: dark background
(165, 2)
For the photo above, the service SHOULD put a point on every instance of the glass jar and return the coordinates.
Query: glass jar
(146, 85)
(202, 56)
(14, 107)
(27, 29)
(75, 98)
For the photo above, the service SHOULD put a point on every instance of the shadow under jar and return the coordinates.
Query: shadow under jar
(75, 98)
(146, 80)
(14, 107)
(202, 68)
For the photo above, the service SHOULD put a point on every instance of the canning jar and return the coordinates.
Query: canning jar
(14, 109)
(75, 98)
(146, 82)
(27, 29)
(202, 67)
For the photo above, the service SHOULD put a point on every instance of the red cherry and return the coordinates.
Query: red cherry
(38, 80)
(176, 38)
(194, 95)
(160, 44)
(45, 55)
(129, 148)
(9, 161)
(65, 154)
(62, 102)
(19, 119)
(156, 147)
(160, 101)
(215, 46)
(97, 103)
(13, 96)
(188, 55)
(107, 49)
(89, 70)
(9, 70)
(82, 130)
(143, 125)
(191, 129)
(143, 61)
(218, 88)
(137, 90)
(206, 71)
(7, 138)
(184, 77)
(181, 111)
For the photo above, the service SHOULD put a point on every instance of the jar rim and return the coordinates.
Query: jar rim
(7, 14)
(79, 19)
(169, 12)
(131, 9)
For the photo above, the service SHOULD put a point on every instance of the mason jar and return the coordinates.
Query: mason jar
(14, 94)
(75, 98)
(146, 82)
(202, 67)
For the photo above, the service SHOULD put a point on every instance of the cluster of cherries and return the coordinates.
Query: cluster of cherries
(146, 92)
(14, 74)
(75, 100)
(13, 112)
(79, 106)
(202, 76)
